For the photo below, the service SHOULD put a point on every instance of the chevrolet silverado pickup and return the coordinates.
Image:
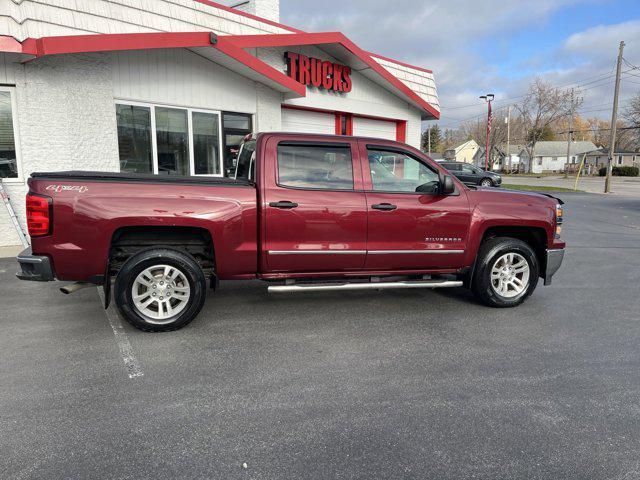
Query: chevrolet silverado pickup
(303, 213)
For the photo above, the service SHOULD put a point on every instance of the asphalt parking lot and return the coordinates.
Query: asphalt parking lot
(398, 384)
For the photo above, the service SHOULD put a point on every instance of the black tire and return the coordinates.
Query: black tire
(145, 259)
(490, 252)
(487, 182)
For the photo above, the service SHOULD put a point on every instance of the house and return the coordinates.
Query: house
(596, 159)
(510, 160)
(551, 156)
(465, 152)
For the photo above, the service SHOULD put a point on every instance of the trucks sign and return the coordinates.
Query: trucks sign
(314, 72)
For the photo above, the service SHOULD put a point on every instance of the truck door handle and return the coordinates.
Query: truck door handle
(285, 204)
(384, 206)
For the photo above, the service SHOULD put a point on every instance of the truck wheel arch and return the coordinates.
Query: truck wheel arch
(535, 237)
(128, 241)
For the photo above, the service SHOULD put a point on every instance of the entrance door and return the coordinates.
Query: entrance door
(410, 225)
(315, 209)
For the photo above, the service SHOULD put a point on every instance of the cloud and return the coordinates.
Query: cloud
(451, 36)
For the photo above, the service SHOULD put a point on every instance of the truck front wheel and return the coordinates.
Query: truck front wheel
(506, 272)
(160, 290)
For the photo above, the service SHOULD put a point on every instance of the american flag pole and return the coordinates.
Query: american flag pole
(486, 152)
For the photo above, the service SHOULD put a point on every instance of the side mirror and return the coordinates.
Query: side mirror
(447, 185)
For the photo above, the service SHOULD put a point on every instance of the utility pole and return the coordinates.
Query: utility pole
(429, 139)
(614, 120)
(569, 135)
(509, 139)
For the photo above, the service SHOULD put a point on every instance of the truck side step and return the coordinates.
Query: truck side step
(331, 287)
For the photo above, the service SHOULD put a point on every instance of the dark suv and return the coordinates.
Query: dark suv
(472, 175)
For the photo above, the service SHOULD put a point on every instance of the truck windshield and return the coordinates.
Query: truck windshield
(246, 165)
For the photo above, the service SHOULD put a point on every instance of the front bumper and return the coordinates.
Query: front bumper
(36, 268)
(554, 261)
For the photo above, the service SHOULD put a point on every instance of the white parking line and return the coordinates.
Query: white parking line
(126, 351)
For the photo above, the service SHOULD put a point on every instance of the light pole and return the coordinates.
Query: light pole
(487, 98)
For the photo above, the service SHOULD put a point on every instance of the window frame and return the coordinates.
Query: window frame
(401, 152)
(16, 136)
(296, 143)
(190, 111)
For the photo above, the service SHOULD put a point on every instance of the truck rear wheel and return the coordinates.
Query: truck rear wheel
(160, 290)
(506, 272)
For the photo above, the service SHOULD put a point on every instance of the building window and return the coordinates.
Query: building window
(235, 126)
(9, 149)
(169, 140)
(619, 159)
(134, 138)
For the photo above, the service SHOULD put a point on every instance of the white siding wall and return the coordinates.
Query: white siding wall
(180, 77)
(39, 18)
(420, 81)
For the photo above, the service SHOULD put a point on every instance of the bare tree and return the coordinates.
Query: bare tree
(632, 118)
(542, 106)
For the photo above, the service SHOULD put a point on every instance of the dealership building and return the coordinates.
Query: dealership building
(172, 86)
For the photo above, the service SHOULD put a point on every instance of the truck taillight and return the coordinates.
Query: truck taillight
(38, 214)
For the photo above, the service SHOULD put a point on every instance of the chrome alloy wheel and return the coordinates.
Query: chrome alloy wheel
(160, 293)
(486, 183)
(510, 275)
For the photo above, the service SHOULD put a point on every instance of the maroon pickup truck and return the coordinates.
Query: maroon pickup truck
(304, 213)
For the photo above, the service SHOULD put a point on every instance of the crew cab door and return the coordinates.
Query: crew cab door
(314, 207)
(411, 226)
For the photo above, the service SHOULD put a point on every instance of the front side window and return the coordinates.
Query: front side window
(399, 172)
(169, 140)
(469, 169)
(315, 167)
(8, 151)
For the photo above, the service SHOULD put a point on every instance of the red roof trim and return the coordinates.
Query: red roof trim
(248, 15)
(10, 45)
(404, 64)
(116, 42)
(252, 41)
(230, 45)
(227, 46)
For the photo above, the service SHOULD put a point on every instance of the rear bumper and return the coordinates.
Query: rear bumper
(36, 268)
(554, 261)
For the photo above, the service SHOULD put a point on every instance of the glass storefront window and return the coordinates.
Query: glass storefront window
(237, 121)
(176, 141)
(134, 138)
(8, 153)
(172, 138)
(206, 143)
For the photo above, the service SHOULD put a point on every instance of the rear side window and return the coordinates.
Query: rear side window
(324, 167)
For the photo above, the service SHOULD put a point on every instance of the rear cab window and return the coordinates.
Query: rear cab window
(246, 165)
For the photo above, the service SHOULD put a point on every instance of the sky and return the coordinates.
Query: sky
(492, 46)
